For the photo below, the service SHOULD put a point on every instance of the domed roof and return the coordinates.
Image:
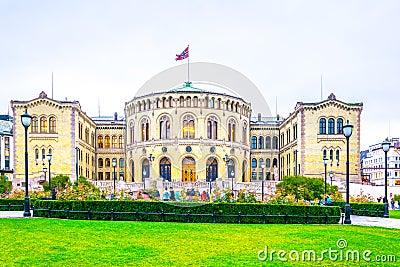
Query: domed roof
(208, 77)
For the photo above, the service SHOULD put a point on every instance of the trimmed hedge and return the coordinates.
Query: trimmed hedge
(187, 212)
(363, 209)
(11, 205)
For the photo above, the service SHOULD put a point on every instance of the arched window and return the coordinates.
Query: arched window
(275, 142)
(100, 141)
(212, 125)
(322, 126)
(260, 162)
(107, 141)
(165, 127)
(331, 154)
(100, 163)
(211, 169)
(268, 163)
(181, 101)
(34, 125)
(188, 127)
(121, 163)
(145, 129)
(331, 126)
(211, 102)
(195, 101)
(120, 142)
(36, 155)
(268, 142)
(324, 154)
(132, 170)
(43, 125)
(254, 163)
(339, 124)
(337, 155)
(52, 124)
(43, 154)
(114, 141)
(145, 169)
(165, 169)
(231, 130)
(107, 162)
(260, 142)
(254, 142)
(132, 132)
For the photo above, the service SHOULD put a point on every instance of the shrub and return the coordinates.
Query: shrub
(184, 212)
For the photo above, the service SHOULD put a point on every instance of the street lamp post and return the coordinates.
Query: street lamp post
(44, 170)
(295, 158)
(386, 147)
(114, 164)
(331, 176)
(26, 121)
(227, 161)
(262, 181)
(325, 163)
(77, 161)
(151, 159)
(49, 158)
(347, 131)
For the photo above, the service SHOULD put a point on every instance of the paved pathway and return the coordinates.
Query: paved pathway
(12, 214)
(375, 221)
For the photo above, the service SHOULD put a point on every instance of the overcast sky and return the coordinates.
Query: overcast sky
(104, 51)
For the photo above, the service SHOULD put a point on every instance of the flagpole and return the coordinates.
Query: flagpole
(188, 65)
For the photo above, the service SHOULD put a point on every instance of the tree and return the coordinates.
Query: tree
(304, 187)
(5, 186)
(61, 181)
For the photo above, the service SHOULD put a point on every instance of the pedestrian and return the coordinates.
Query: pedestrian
(392, 203)
(171, 194)
(177, 196)
(157, 195)
(379, 199)
(203, 196)
(166, 194)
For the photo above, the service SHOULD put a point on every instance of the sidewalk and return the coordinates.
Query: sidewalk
(12, 214)
(375, 221)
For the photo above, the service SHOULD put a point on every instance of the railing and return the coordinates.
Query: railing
(187, 217)
(9, 205)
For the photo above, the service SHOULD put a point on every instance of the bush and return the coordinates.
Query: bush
(363, 209)
(192, 212)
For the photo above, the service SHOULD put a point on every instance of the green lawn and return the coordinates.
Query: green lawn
(53, 242)
(394, 214)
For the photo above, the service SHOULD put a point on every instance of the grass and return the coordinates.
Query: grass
(394, 214)
(53, 242)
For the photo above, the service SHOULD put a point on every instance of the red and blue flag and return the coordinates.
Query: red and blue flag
(183, 55)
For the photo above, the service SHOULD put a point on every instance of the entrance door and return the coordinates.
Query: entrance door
(165, 169)
(188, 170)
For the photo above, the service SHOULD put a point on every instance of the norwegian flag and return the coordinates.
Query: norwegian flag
(183, 55)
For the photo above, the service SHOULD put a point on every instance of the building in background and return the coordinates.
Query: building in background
(189, 133)
(185, 134)
(373, 164)
(264, 133)
(315, 131)
(6, 151)
(59, 128)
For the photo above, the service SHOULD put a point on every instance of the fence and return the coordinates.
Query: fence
(10, 207)
(188, 217)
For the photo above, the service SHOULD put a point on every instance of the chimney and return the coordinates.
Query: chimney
(259, 116)
(115, 116)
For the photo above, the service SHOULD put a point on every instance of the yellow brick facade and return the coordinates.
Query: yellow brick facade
(303, 141)
(182, 155)
(59, 127)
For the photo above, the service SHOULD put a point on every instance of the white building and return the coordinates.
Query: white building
(373, 165)
(6, 139)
